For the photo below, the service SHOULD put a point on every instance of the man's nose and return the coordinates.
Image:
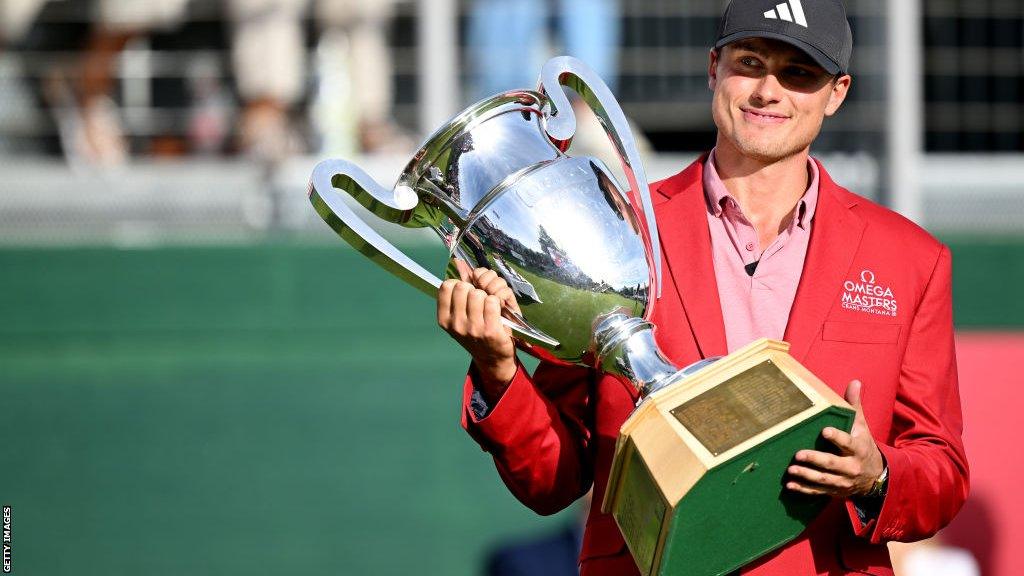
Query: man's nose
(768, 89)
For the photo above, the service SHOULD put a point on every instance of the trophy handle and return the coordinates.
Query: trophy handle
(396, 206)
(331, 176)
(560, 127)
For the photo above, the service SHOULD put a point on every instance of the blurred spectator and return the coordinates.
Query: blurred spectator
(268, 59)
(209, 118)
(87, 120)
(351, 113)
(364, 24)
(506, 40)
(76, 89)
(507, 48)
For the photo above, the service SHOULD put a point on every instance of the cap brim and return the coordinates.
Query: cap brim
(818, 56)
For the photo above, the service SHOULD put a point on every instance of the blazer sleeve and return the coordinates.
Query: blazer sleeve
(928, 471)
(539, 434)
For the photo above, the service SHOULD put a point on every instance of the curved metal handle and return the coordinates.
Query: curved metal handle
(331, 176)
(561, 126)
(396, 206)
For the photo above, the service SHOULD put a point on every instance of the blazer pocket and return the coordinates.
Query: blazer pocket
(861, 332)
(601, 538)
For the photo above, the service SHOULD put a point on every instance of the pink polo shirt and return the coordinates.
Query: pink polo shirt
(755, 306)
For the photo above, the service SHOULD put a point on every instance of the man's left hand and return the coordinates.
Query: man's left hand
(852, 472)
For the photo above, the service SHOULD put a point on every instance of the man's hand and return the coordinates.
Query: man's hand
(470, 311)
(850, 473)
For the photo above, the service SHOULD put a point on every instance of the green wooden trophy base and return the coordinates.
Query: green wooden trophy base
(697, 482)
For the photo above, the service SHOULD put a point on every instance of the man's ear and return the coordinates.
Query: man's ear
(840, 88)
(713, 69)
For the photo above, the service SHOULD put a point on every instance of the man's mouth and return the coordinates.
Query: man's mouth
(763, 116)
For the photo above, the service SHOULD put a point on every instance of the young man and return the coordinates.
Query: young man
(758, 241)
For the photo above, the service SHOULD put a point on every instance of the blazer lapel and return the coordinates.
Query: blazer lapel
(835, 236)
(683, 226)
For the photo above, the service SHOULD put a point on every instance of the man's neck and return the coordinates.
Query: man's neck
(766, 192)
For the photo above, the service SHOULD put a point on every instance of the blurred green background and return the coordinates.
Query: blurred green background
(281, 407)
(278, 408)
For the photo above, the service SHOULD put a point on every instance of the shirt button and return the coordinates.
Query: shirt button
(750, 246)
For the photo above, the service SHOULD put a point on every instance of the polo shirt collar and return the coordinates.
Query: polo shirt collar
(716, 194)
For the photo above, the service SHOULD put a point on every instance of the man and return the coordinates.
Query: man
(758, 241)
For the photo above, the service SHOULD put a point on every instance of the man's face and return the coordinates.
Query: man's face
(770, 98)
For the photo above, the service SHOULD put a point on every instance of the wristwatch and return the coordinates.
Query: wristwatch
(881, 485)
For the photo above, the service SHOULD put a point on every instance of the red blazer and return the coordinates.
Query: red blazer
(553, 435)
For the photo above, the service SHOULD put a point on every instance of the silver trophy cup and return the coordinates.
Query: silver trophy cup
(495, 184)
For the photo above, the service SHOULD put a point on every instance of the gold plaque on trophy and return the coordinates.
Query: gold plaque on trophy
(696, 486)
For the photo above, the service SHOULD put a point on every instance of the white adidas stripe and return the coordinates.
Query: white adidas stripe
(784, 12)
(791, 11)
(798, 12)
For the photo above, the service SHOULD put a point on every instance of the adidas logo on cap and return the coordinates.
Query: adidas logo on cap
(791, 11)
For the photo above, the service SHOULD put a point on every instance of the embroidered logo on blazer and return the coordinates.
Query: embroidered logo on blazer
(866, 295)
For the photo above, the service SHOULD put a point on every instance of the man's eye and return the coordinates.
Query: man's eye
(800, 72)
(748, 61)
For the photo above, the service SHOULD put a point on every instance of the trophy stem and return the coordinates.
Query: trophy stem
(625, 347)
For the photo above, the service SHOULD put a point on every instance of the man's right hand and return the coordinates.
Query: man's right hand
(470, 311)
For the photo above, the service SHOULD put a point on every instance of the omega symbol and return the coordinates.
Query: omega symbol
(867, 276)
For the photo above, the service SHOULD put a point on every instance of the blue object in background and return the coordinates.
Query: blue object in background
(504, 37)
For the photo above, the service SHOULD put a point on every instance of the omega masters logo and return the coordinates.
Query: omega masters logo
(867, 296)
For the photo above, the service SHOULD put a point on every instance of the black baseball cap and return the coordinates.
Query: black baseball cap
(818, 27)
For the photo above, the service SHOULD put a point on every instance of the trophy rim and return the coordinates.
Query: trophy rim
(477, 113)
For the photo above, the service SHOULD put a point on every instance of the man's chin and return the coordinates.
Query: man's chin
(767, 152)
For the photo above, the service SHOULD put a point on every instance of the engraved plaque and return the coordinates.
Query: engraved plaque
(642, 511)
(741, 407)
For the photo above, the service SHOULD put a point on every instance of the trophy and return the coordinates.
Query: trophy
(583, 260)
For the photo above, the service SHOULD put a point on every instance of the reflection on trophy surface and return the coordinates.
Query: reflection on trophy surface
(495, 184)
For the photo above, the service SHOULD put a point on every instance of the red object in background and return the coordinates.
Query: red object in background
(991, 523)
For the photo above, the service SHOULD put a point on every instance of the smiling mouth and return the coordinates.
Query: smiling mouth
(763, 117)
